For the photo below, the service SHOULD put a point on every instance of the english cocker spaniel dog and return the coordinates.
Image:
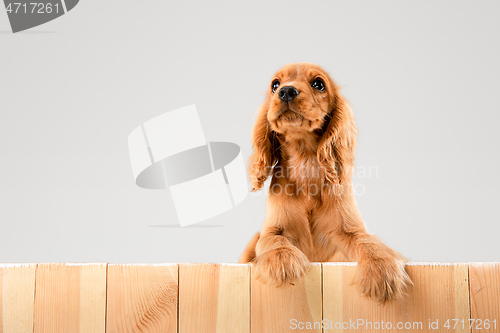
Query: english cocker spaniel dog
(304, 138)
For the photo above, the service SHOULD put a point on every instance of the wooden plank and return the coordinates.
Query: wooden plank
(142, 298)
(214, 298)
(17, 296)
(293, 308)
(2, 298)
(440, 294)
(70, 298)
(484, 280)
(93, 280)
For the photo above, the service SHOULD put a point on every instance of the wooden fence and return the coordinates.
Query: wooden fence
(198, 298)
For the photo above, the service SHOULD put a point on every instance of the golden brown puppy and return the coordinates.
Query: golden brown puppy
(304, 137)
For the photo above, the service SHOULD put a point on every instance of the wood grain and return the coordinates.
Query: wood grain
(70, 298)
(485, 296)
(142, 298)
(17, 296)
(214, 298)
(440, 293)
(286, 309)
(224, 298)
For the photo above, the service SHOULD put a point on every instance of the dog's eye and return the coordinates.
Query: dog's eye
(275, 85)
(318, 84)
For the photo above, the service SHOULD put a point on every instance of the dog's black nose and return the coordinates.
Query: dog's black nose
(288, 93)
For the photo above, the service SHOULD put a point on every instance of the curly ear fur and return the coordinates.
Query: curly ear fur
(337, 144)
(265, 150)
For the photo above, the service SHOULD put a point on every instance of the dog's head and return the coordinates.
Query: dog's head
(302, 100)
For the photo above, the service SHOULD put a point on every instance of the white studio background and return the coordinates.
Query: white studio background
(423, 79)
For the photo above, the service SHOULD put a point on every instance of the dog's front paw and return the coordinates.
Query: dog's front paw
(281, 266)
(383, 279)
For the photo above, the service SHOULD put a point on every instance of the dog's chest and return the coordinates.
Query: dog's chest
(306, 172)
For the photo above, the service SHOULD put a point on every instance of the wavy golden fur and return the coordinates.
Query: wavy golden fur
(305, 137)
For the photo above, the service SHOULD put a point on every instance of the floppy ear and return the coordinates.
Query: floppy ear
(265, 150)
(337, 144)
